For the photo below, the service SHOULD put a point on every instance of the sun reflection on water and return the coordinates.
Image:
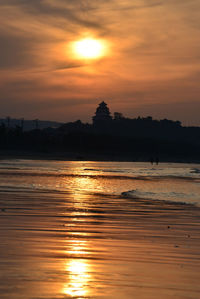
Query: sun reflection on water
(77, 266)
(86, 184)
(78, 271)
(78, 284)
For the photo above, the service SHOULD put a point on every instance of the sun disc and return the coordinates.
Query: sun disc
(89, 48)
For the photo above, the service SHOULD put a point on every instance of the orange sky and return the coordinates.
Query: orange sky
(152, 66)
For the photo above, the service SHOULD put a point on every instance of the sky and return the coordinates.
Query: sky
(151, 65)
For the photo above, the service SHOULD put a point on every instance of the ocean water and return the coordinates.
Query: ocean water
(99, 230)
(166, 181)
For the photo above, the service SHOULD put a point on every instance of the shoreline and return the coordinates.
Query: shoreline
(60, 156)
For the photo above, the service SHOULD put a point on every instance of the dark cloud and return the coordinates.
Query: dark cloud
(149, 4)
(14, 51)
(76, 12)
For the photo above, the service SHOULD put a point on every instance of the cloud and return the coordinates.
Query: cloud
(76, 13)
(153, 59)
(13, 51)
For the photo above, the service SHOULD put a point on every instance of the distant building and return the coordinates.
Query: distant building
(102, 115)
(118, 116)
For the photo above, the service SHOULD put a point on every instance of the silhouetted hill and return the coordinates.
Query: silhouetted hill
(29, 125)
(117, 139)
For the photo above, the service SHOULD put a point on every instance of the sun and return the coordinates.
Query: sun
(89, 48)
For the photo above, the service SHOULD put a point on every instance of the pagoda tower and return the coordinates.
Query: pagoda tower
(102, 115)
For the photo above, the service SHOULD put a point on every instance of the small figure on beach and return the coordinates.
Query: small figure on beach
(152, 160)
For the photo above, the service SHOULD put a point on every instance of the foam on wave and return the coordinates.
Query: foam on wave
(177, 197)
(195, 170)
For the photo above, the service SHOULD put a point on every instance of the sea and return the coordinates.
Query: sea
(165, 181)
(86, 229)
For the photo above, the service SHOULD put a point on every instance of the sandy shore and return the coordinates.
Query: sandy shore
(62, 245)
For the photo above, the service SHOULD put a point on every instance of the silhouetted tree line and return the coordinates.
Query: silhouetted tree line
(131, 139)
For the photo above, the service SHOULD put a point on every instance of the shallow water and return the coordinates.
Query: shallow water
(166, 181)
(67, 232)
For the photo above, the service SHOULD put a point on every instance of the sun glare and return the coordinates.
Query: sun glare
(89, 48)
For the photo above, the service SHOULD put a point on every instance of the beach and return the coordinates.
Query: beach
(99, 230)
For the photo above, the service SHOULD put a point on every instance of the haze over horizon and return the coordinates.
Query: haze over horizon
(150, 65)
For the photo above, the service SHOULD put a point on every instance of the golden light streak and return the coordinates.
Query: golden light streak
(78, 278)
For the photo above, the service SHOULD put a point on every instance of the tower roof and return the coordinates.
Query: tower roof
(102, 104)
(102, 113)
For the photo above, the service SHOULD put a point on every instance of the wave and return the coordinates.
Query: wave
(31, 188)
(15, 172)
(108, 170)
(50, 174)
(195, 170)
(10, 168)
(175, 197)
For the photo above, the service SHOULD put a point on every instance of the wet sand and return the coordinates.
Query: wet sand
(73, 245)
